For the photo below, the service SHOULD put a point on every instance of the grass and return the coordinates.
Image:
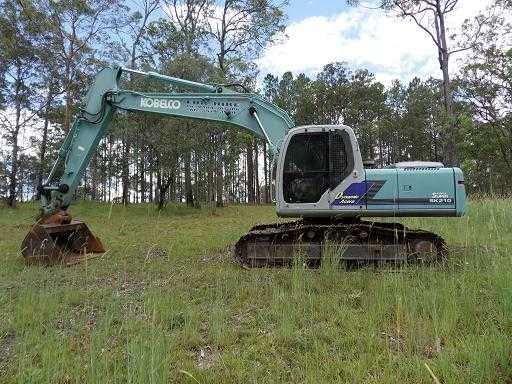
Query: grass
(166, 304)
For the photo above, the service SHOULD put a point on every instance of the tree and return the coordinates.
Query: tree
(305, 111)
(485, 84)
(364, 109)
(76, 28)
(430, 17)
(332, 86)
(241, 28)
(178, 42)
(131, 29)
(21, 64)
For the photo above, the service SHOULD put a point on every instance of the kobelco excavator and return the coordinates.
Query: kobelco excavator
(320, 179)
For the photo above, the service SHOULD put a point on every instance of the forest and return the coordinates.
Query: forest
(50, 50)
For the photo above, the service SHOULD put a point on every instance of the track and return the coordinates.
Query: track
(357, 241)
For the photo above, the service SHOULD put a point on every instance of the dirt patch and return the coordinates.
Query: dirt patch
(396, 344)
(432, 350)
(205, 357)
(7, 341)
(154, 253)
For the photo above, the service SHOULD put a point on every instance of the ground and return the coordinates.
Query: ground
(166, 304)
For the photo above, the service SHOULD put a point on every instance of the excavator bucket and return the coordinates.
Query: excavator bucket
(50, 243)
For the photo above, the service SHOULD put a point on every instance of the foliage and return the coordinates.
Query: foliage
(485, 84)
(392, 125)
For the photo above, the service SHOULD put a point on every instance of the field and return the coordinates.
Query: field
(166, 304)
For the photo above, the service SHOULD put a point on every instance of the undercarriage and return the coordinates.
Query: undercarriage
(312, 242)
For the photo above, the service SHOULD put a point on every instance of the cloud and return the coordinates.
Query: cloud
(390, 47)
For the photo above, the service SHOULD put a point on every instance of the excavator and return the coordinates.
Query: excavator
(320, 179)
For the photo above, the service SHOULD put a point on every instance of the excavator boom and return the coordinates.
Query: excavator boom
(58, 238)
(213, 103)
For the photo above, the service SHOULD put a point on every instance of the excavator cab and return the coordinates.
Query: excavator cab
(317, 162)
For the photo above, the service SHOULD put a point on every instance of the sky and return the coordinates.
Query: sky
(322, 31)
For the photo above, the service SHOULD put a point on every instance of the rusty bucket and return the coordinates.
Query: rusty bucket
(59, 240)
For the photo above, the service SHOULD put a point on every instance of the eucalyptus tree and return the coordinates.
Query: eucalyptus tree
(332, 89)
(239, 29)
(285, 97)
(20, 68)
(431, 17)
(178, 41)
(130, 48)
(364, 109)
(77, 28)
(51, 89)
(421, 124)
(485, 83)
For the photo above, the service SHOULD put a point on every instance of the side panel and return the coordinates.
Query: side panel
(428, 189)
(382, 195)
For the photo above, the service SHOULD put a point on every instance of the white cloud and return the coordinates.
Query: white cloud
(388, 46)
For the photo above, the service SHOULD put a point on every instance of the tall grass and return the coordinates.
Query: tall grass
(187, 314)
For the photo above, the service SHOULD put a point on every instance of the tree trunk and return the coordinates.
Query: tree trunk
(93, 167)
(450, 154)
(158, 184)
(256, 173)
(151, 170)
(109, 168)
(450, 149)
(67, 94)
(136, 174)
(189, 196)
(142, 175)
(125, 173)
(265, 171)
(11, 201)
(250, 173)
(197, 203)
(210, 158)
(219, 171)
(104, 170)
(162, 192)
(42, 148)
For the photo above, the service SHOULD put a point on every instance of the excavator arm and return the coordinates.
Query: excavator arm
(56, 238)
(219, 104)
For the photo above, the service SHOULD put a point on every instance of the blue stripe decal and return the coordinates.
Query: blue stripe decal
(354, 194)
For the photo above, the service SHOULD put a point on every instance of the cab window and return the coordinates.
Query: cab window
(306, 168)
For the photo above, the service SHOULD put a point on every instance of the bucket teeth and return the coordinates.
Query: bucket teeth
(50, 243)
